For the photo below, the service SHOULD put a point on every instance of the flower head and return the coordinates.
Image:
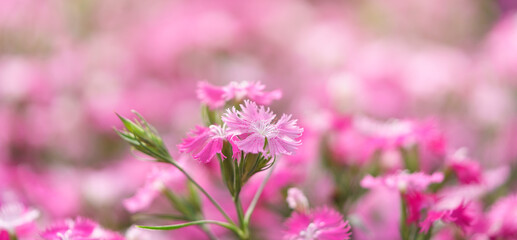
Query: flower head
(321, 224)
(216, 97)
(210, 95)
(403, 181)
(78, 229)
(15, 214)
(416, 201)
(502, 218)
(458, 216)
(205, 142)
(297, 200)
(156, 181)
(467, 171)
(257, 132)
(4, 235)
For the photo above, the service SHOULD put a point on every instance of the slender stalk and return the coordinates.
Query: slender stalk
(253, 203)
(214, 202)
(404, 228)
(240, 212)
(243, 226)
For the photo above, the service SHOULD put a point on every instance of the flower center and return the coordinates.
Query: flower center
(218, 131)
(265, 129)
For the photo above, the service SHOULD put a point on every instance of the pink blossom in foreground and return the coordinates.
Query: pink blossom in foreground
(502, 219)
(297, 200)
(257, 132)
(215, 97)
(15, 216)
(4, 235)
(156, 182)
(403, 181)
(458, 216)
(78, 229)
(320, 224)
(205, 143)
(467, 171)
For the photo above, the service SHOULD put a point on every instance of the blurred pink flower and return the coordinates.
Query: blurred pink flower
(319, 224)
(467, 170)
(403, 181)
(502, 218)
(356, 139)
(501, 46)
(258, 133)
(205, 142)
(211, 95)
(416, 201)
(78, 229)
(216, 97)
(156, 182)
(297, 200)
(459, 216)
(4, 235)
(15, 217)
(372, 219)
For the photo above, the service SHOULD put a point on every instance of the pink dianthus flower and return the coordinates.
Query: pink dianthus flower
(4, 235)
(78, 229)
(319, 224)
(14, 216)
(156, 181)
(297, 200)
(215, 96)
(458, 216)
(502, 219)
(206, 142)
(403, 181)
(416, 201)
(467, 170)
(257, 132)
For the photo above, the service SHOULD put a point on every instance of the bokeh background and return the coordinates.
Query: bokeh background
(67, 66)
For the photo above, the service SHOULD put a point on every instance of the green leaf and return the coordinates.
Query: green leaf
(182, 225)
(144, 138)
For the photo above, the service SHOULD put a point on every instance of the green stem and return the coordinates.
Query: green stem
(214, 202)
(253, 203)
(13, 236)
(240, 213)
(404, 228)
